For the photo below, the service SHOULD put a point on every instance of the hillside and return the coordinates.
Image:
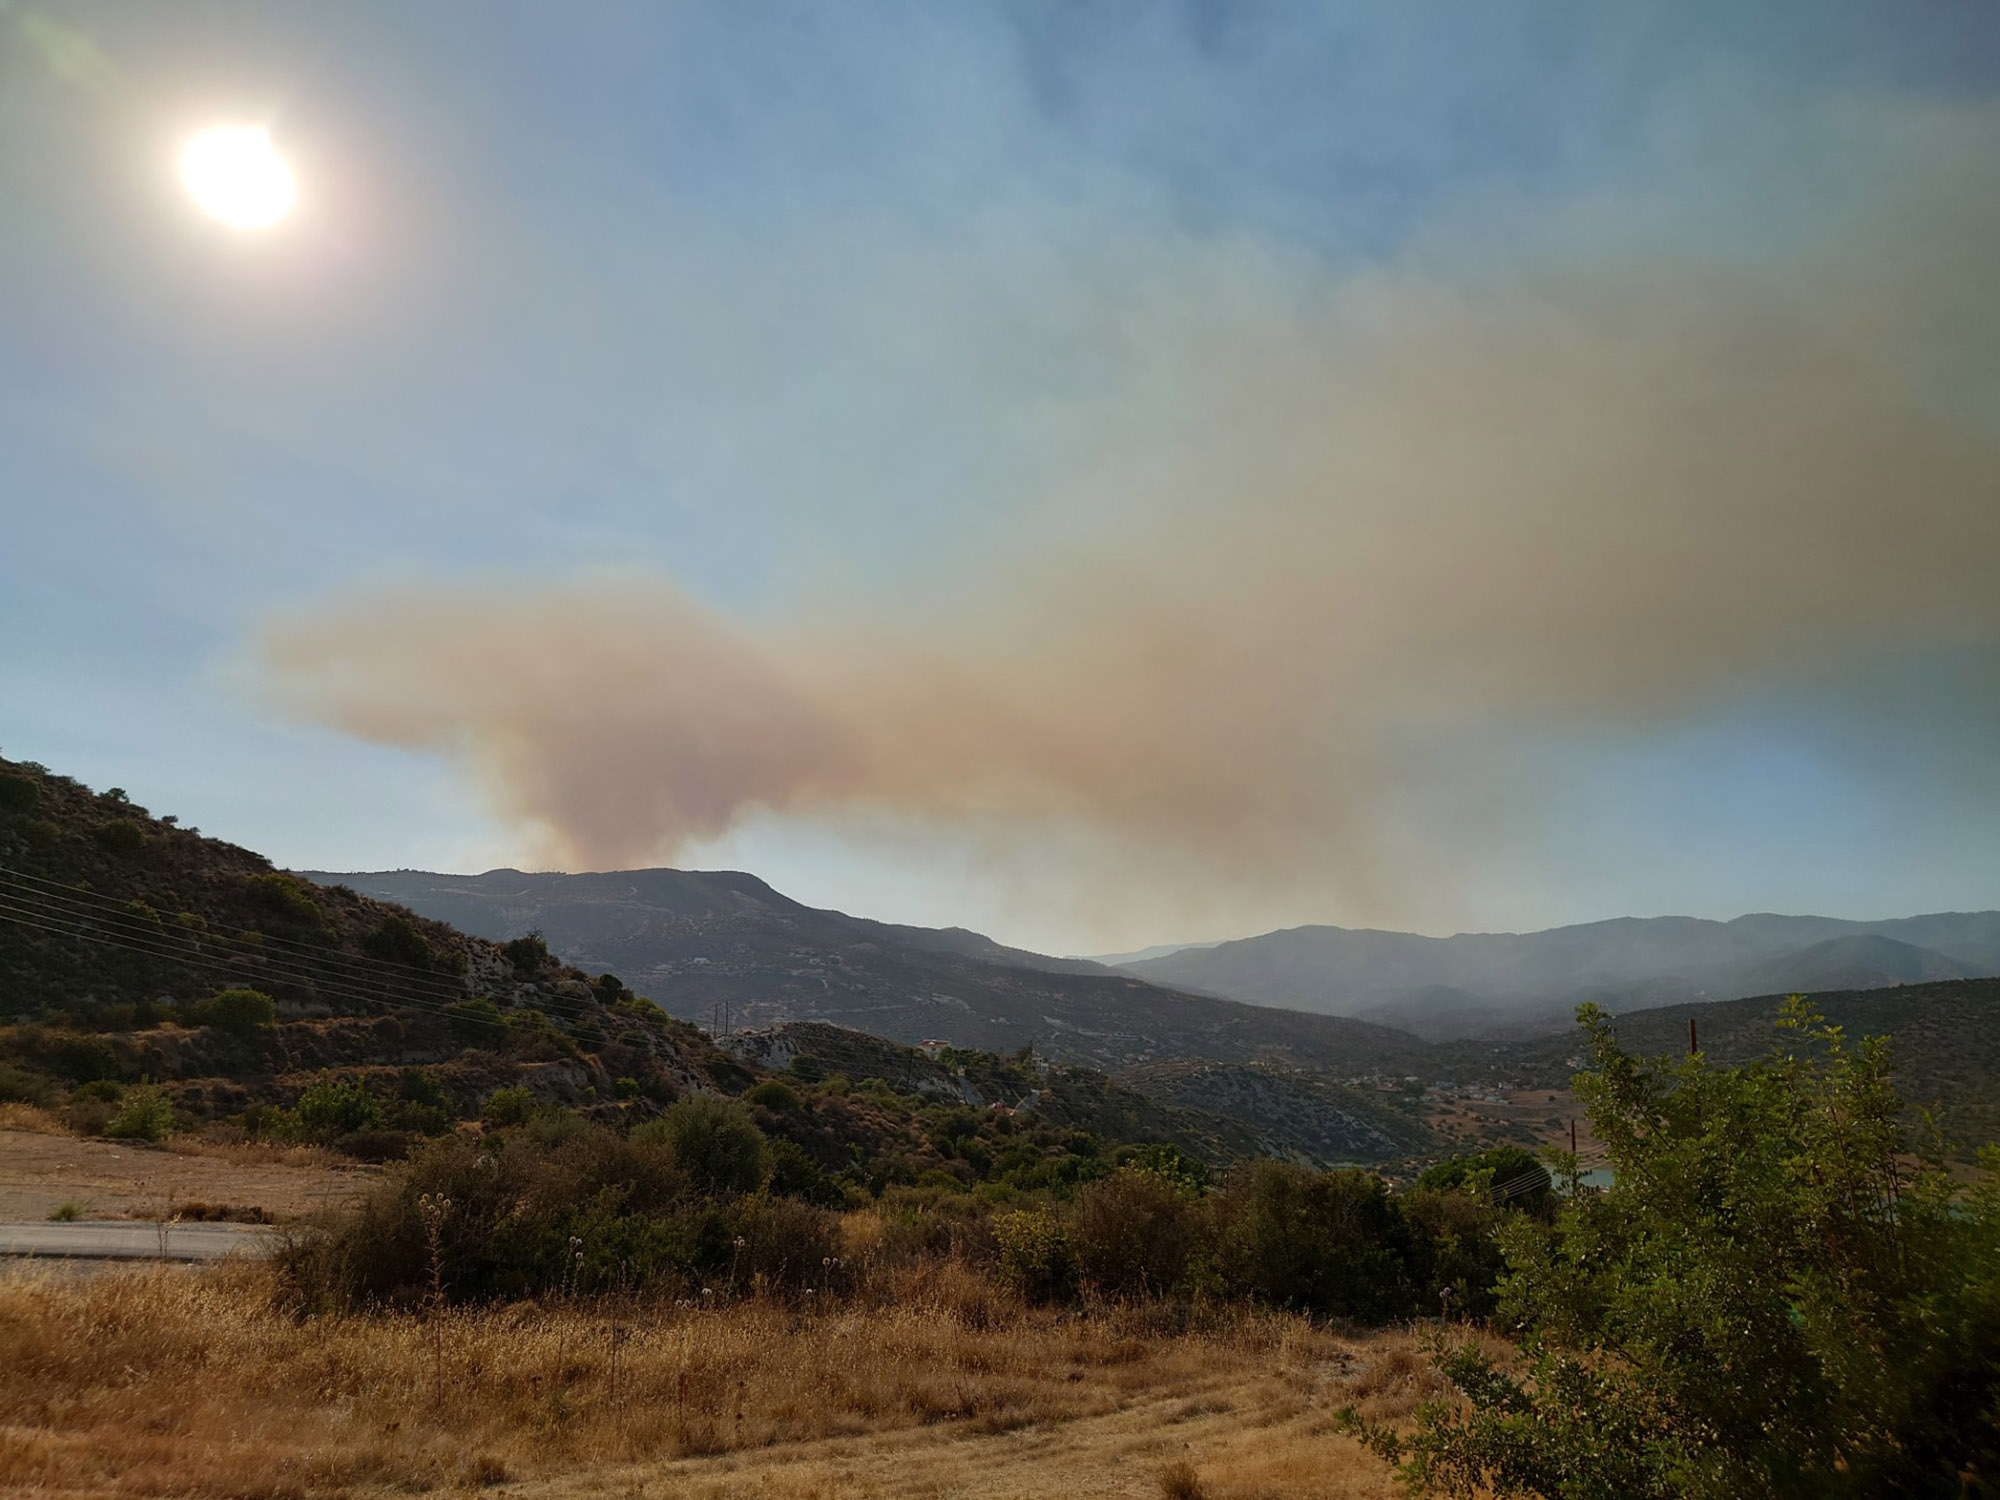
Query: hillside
(1291, 1112)
(118, 929)
(1496, 984)
(1944, 1037)
(116, 925)
(699, 941)
(1217, 1111)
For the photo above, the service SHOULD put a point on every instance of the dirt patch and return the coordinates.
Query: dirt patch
(120, 1179)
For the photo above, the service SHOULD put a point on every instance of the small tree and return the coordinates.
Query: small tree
(1770, 1299)
(713, 1141)
(145, 1114)
(528, 953)
(509, 1107)
(331, 1108)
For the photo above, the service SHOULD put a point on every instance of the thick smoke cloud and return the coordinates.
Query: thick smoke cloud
(1326, 529)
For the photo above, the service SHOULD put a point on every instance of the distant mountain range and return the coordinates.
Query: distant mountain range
(701, 943)
(1498, 984)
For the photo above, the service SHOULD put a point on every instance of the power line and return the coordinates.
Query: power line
(82, 893)
(333, 971)
(137, 929)
(215, 965)
(158, 946)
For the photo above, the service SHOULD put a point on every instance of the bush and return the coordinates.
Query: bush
(773, 1096)
(18, 794)
(145, 1115)
(421, 1104)
(80, 1059)
(331, 1108)
(1770, 1299)
(1033, 1255)
(795, 1175)
(713, 1141)
(240, 1012)
(290, 903)
(590, 1213)
(508, 1107)
(528, 954)
(1333, 1244)
(782, 1245)
(1503, 1173)
(1134, 1233)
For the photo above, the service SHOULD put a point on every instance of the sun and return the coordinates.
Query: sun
(235, 174)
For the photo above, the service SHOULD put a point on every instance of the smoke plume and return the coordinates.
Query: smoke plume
(1324, 529)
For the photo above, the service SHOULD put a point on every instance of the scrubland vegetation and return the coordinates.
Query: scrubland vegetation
(1777, 1296)
(599, 1245)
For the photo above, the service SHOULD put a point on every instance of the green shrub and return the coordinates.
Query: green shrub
(1776, 1296)
(795, 1175)
(1334, 1244)
(528, 954)
(421, 1104)
(583, 1215)
(332, 1108)
(510, 1107)
(713, 1141)
(290, 902)
(1033, 1255)
(145, 1114)
(81, 1059)
(66, 1212)
(240, 1012)
(773, 1095)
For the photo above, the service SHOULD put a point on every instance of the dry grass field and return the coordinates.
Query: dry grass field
(43, 1165)
(152, 1382)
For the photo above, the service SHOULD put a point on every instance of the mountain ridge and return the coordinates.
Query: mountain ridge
(1494, 983)
(716, 945)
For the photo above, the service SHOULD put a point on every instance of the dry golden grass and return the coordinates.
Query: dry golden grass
(165, 1383)
(30, 1117)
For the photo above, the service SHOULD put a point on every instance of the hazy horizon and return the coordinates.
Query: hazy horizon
(1090, 477)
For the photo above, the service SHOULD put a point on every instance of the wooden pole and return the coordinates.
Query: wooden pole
(1694, 1045)
(1572, 1135)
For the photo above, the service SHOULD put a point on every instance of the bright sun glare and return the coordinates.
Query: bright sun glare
(235, 174)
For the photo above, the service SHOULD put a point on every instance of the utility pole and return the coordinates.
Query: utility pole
(1693, 1045)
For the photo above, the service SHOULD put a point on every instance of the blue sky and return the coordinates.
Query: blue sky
(1102, 474)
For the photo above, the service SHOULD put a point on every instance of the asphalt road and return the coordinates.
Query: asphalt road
(127, 1239)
